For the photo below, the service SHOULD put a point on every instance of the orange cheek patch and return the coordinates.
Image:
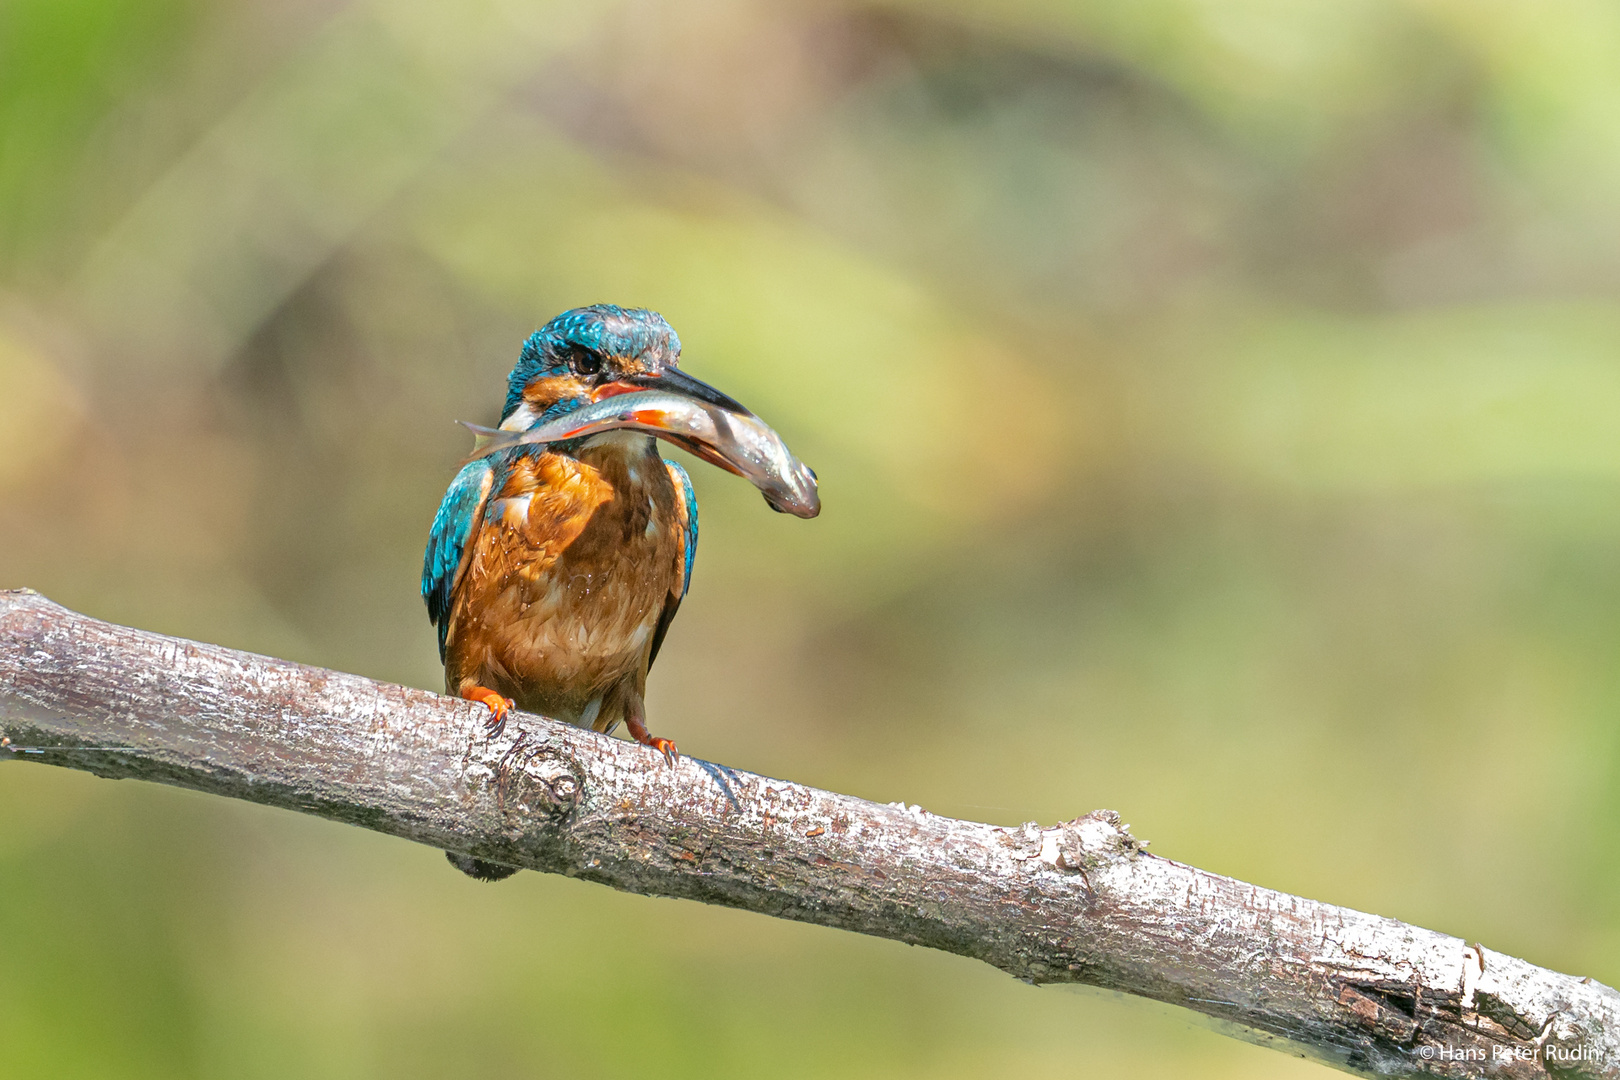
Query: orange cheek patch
(550, 389)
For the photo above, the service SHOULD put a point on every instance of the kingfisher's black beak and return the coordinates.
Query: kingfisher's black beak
(673, 381)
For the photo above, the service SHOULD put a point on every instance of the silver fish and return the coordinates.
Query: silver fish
(739, 443)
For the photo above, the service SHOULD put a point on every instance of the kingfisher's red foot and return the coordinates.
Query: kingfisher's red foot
(663, 746)
(639, 732)
(498, 708)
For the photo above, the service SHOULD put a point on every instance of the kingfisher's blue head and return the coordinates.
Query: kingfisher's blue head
(593, 352)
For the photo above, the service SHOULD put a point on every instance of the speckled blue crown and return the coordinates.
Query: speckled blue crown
(606, 329)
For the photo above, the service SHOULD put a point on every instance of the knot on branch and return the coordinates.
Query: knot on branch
(1083, 847)
(1091, 842)
(538, 779)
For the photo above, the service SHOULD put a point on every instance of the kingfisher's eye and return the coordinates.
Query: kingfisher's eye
(584, 361)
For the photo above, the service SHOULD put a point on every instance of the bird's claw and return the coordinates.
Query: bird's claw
(639, 732)
(665, 747)
(498, 708)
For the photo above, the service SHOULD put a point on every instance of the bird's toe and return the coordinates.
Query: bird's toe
(498, 707)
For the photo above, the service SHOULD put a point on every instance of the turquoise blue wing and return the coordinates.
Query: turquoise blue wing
(683, 488)
(688, 505)
(453, 528)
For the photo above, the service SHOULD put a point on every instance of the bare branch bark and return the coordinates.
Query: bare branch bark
(1076, 902)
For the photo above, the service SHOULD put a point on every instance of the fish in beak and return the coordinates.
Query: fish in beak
(688, 413)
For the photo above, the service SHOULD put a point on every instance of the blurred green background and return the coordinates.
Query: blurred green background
(1215, 403)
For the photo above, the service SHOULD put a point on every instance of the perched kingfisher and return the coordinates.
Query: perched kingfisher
(553, 569)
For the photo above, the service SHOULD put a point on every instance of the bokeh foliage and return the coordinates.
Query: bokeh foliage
(1215, 403)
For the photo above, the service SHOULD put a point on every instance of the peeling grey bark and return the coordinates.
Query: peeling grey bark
(1076, 902)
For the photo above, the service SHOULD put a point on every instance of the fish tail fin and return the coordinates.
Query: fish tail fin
(487, 440)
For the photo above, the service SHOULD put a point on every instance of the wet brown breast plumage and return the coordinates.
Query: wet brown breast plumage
(571, 567)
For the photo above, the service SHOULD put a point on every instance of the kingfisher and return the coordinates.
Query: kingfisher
(553, 570)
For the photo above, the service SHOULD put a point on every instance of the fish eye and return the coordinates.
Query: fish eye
(584, 361)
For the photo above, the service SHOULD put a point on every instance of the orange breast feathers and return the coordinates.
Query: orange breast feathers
(544, 506)
(570, 569)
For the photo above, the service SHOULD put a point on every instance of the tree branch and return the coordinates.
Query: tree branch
(1077, 902)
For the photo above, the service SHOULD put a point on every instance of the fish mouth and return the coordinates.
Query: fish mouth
(797, 494)
(800, 509)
